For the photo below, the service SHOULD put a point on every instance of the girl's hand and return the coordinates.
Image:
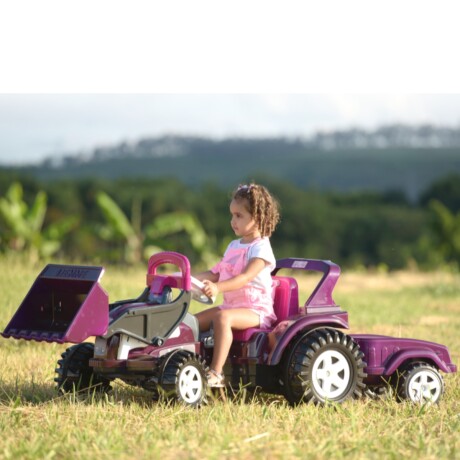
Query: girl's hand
(210, 288)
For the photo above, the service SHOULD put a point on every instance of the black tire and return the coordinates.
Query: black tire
(419, 383)
(151, 385)
(74, 372)
(184, 378)
(324, 365)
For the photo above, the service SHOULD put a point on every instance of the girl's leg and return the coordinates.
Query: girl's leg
(205, 318)
(223, 322)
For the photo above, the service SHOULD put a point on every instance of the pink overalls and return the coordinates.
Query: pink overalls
(255, 298)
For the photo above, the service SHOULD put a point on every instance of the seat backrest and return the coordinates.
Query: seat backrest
(285, 304)
(286, 299)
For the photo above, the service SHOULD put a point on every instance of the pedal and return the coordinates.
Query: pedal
(208, 342)
(207, 338)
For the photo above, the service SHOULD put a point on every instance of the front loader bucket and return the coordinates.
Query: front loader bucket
(65, 304)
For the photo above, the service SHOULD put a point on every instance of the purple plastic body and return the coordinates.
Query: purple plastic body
(321, 297)
(383, 354)
(184, 339)
(386, 354)
(65, 304)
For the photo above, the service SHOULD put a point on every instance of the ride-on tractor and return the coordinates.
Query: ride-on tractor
(154, 342)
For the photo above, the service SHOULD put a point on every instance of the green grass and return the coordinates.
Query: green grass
(35, 423)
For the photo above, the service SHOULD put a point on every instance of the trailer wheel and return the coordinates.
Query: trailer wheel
(184, 378)
(74, 372)
(420, 383)
(322, 366)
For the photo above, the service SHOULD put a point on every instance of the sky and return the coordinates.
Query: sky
(37, 126)
(75, 76)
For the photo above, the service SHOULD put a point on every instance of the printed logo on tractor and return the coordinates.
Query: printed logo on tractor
(299, 264)
(72, 273)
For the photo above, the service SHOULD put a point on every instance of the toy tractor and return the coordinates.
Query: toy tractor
(155, 343)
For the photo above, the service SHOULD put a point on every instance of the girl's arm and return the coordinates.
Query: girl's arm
(252, 269)
(207, 275)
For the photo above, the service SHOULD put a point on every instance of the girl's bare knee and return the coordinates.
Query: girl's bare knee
(221, 318)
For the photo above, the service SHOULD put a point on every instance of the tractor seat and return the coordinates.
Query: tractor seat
(285, 304)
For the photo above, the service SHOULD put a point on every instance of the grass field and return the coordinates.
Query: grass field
(36, 424)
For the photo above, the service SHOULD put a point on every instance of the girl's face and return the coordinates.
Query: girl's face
(242, 222)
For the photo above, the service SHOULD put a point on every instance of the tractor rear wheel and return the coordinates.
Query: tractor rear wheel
(74, 372)
(322, 366)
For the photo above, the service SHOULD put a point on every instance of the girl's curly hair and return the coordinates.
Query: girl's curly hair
(262, 206)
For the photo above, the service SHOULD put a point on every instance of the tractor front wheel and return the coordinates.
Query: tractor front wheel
(74, 372)
(184, 378)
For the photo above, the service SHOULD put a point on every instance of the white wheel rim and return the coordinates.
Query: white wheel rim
(190, 384)
(331, 374)
(424, 386)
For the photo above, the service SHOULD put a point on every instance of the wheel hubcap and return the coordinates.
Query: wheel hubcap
(190, 384)
(331, 374)
(424, 386)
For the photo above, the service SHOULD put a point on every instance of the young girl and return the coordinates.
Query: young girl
(243, 275)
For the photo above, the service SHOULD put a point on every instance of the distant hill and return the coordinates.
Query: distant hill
(395, 157)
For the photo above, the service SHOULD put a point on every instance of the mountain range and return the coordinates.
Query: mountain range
(390, 158)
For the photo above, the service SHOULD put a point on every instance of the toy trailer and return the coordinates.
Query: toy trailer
(410, 366)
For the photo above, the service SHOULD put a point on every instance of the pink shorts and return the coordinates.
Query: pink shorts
(264, 321)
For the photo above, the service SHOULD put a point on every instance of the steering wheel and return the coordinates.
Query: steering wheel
(197, 293)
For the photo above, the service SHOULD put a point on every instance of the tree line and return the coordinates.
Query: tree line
(388, 159)
(126, 220)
